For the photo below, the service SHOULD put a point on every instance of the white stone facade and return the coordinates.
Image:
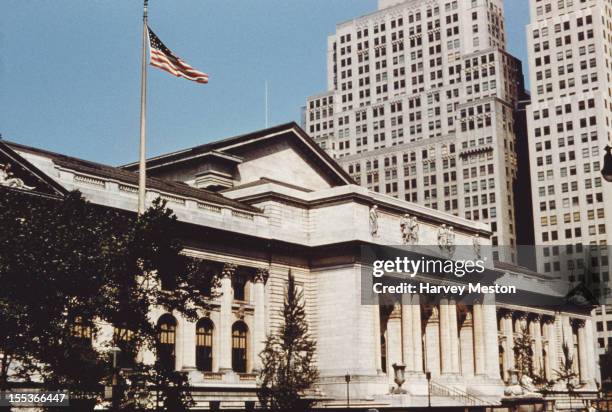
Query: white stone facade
(421, 106)
(313, 224)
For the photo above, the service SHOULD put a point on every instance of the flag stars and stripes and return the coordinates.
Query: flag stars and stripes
(163, 58)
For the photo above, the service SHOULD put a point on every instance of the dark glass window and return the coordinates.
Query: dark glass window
(239, 347)
(238, 283)
(126, 357)
(82, 330)
(204, 344)
(166, 341)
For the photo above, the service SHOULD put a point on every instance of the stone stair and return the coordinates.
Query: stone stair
(450, 395)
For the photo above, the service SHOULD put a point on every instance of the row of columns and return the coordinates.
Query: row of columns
(432, 341)
(548, 333)
(186, 330)
(438, 346)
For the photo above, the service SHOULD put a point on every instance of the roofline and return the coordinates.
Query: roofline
(7, 148)
(153, 183)
(232, 142)
(202, 146)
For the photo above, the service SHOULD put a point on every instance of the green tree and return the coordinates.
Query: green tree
(567, 375)
(287, 359)
(66, 266)
(524, 355)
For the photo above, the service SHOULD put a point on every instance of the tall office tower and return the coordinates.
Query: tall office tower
(421, 103)
(570, 64)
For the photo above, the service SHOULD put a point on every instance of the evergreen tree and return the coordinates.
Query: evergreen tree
(287, 359)
(523, 354)
(567, 375)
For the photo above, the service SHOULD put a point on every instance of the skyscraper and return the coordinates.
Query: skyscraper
(569, 125)
(421, 105)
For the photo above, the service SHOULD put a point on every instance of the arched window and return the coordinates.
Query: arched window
(123, 339)
(82, 330)
(204, 344)
(166, 341)
(239, 347)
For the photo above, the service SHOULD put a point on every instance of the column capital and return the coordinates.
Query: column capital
(578, 323)
(261, 275)
(549, 319)
(535, 317)
(505, 313)
(520, 315)
(396, 313)
(468, 319)
(228, 270)
(429, 313)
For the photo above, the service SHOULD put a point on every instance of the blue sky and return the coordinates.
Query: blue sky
(70, 69)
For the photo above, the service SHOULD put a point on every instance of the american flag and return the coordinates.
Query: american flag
(163, 58)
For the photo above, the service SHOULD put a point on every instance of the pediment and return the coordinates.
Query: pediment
(16, 173)
(282, 153)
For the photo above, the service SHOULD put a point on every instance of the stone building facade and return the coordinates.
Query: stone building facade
(257, 206)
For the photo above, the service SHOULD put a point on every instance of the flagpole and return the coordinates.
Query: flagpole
(142, 169)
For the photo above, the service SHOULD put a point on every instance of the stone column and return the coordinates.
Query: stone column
(583, 350)
(417, 338)
(466, 343)
(590, 333)
(225, 318)
(186, 344)
(536, 334)
(546, 354)
(491, 340)
(394, 340)
(377, 332)
(508, 332)
(446, 360)
(432, 342)
(551, 347)
(259, 317)
(479, 341)
(454, 335)
(407, 341)
(521, 324)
